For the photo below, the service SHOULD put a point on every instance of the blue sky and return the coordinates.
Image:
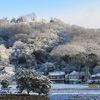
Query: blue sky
(80, 12)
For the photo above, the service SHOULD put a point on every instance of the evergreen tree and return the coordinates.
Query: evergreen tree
(32, 81)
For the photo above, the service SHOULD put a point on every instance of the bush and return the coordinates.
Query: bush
(5, 84)
(32, 81)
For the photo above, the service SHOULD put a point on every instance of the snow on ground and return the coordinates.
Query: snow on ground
(73, 89)
(73, 92)
(66, 86)
(74, 97)
(12, 89)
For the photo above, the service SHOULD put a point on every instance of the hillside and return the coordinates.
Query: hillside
(48, 46)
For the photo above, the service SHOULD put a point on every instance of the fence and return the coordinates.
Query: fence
(94, 86)
(22, 97)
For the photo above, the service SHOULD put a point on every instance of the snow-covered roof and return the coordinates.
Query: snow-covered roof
(74, 79)
(1, 68)
(9, 69)
(56, 73)
(98, 74)
(3, 73)
(74, 73)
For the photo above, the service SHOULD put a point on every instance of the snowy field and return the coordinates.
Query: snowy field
(73, 89)
(74, 96)
(76, 91)
(73, 92)
(69, 86)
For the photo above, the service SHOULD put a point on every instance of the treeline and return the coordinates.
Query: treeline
(26, 42)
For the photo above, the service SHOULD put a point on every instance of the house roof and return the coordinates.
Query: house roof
(74, 73)
(74, 79)
(57, 73)
(9, 69)
(98, 74)
(3, 72)
(1, 68)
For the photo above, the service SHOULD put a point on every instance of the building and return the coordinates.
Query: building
(57, 77)
(4, 75)
(60, 77)
(7, 73)
(95, 81)
(96, 78)
(74, 77)
(9, 69)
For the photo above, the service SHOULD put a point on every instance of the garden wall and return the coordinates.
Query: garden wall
(22, 97)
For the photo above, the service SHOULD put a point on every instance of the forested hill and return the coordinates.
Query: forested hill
(48, 46)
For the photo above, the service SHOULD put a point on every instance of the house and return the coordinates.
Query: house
(9, 69)
(95, 81)
(57, 77)
(7, 73)
(95, 78)
(4, 75)
(74, 77)
(60, 77)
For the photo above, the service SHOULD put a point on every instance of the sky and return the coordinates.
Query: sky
(84, 13)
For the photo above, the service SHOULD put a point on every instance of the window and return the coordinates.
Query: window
(52, 77)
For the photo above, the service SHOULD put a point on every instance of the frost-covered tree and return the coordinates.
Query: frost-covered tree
(68, 49)
(13, 20)
(96, 69)
(4, 54)
(32, 81)
(27, 18)
(34, 41)
(49, 67)
(91, 62)
(21, 54)
(4, 21)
